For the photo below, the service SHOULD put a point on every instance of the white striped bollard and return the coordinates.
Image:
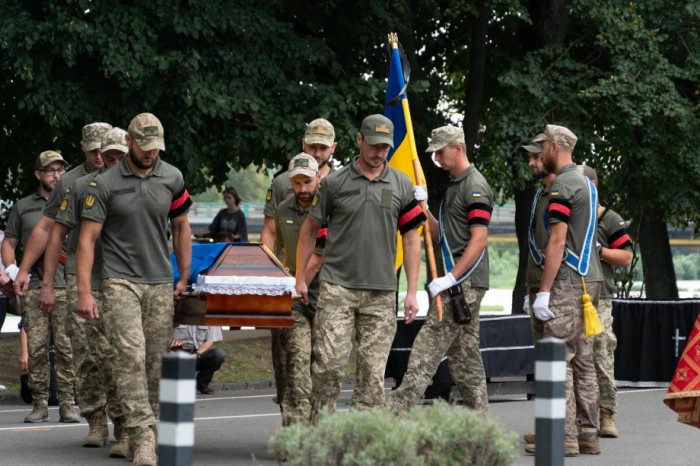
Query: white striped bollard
(177, 397)
(550, 401)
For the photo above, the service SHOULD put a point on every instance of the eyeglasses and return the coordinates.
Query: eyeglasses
(53, 171)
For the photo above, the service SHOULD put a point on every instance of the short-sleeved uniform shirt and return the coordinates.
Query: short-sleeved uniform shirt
(23, 217)
(195, 335)
(569, 202)
(363, 218)
(62, 190)
(612, 234)
(468, 204)
(70, 214)
(134, 212)
(533, 274)
(290, 216)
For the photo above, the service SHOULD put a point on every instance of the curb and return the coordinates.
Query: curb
(10, 398)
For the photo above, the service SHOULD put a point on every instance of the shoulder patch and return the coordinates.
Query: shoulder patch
(476, 193)
(67, 189)
(290, 221)
(268, 196)
(93, 183)
(554, 192)
(64, 205)
(89, 200)
(315, 201)
(621, 223)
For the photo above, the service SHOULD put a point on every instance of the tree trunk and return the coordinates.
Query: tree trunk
(523, 206)
(475, 80)
(657, 261)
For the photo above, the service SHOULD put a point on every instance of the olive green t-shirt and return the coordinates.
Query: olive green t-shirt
(569, 203)
(612, 234)
(363, 218)
(23, 217)
(468, 204)
(134, 212)
(533, 275)
(290, 216)
(62, 189)
(70, 214)
(280, 188)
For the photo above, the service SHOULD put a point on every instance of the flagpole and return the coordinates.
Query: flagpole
(394, 41)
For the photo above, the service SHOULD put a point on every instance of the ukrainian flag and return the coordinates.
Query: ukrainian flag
(404, 152)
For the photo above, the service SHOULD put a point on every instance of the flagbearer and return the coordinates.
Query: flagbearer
(558, 303)
(465, 213)
(297, 341)
(615, 249)
(364, 205)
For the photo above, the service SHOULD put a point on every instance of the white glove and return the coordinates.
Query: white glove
(11, 271)
(441, 284)
(420, 193)
(526, 305)
(541, 307)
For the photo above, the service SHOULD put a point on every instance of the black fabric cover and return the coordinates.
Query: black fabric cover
(646, 346)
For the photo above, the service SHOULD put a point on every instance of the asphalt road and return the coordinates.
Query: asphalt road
(232, 428)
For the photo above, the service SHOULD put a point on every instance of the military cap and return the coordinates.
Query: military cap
(320, 131)
(92, 135)
(303, 164)
(445, 136)
(533, 147)
(559, 134)
(115, 139)
(589, 173)
(147, 131)
(47, 158)
(377, 129)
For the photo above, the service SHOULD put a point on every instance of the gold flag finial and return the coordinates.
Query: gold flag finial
(393, 38)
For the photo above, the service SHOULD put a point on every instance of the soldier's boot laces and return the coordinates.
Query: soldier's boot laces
(121, 449)
(66, 413)
(145, 454)
(607, 424)
(38, 414)
(98, 435)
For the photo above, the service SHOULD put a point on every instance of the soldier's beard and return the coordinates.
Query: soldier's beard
(305, 198)
(48, 185)
(322, 163)
(538, 174)
(139, 163)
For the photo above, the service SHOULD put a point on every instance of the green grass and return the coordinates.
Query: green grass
(9, 367)
(491, 308)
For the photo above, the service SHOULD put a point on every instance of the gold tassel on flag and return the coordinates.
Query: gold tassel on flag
(590, 316)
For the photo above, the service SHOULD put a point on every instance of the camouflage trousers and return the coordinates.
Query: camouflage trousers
(138, 319)
(296, 344)
(95, 383)
(461, 345)
(582, 397)
(38, 326)
(279, 361)
(536, 325)
(604, 349)
(371, 314)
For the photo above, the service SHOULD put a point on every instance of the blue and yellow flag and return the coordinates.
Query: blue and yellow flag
(404, 152)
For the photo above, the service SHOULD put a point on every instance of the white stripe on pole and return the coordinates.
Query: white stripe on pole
(176, 434)
(550, 371)
(550, 409)
(181, 391)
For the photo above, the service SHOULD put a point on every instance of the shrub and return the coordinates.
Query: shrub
(437, 435)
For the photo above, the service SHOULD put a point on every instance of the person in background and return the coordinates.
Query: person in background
(230, 219)
(199, 340)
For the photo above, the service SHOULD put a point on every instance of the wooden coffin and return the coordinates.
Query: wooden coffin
(239, 310)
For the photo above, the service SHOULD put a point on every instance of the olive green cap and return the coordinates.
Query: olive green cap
(377, 129)
(47, 158)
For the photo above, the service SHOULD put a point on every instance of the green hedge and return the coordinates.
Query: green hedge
(437, 435)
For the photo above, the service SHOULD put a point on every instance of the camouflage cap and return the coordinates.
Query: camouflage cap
(589, 173)
(377, 129)
(47, 158)
(559, 134)
(303, 164)
(320, 131)
(115, 139)
(445, 136)
(147, 131)
(92, 135)
(532, 148)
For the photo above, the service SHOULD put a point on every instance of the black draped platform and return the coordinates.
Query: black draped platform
(651, 336)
